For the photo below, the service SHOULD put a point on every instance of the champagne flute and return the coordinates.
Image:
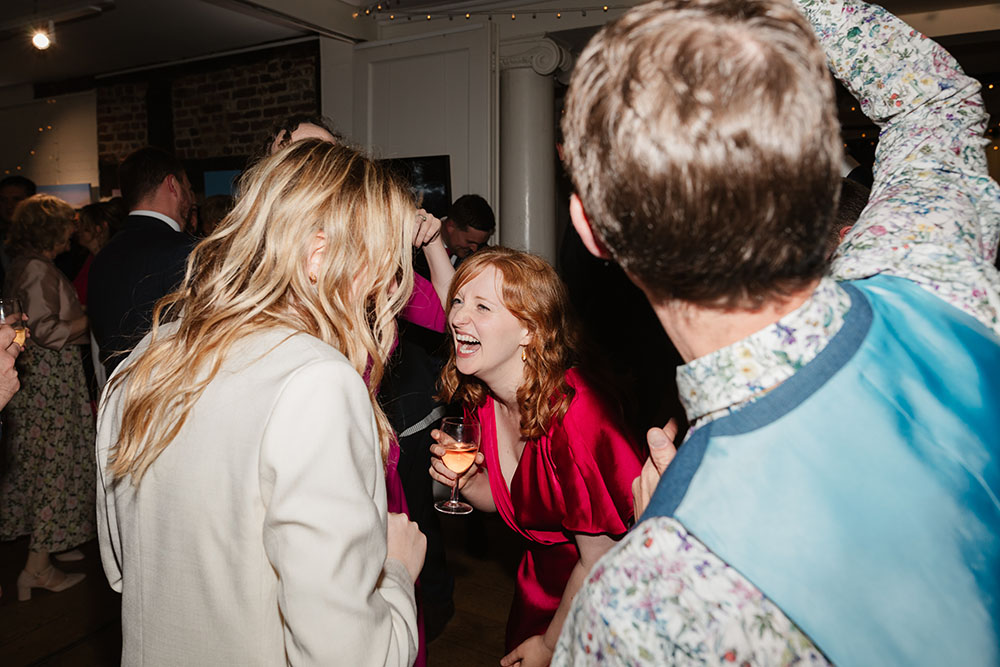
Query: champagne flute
(461, 443)
(10, 314)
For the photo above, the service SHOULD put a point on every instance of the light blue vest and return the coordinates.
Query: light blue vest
(862, 495)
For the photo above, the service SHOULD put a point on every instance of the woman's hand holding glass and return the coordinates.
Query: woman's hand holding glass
(441, 473)
(455, 441)
(12, 315)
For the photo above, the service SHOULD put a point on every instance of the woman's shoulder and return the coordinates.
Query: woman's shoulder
(288, 350)
(587, 395)
(27, 266)
(277, 353)
(592, 411)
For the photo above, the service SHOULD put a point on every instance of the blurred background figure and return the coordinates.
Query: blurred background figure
(211, 213)
(468, 226)
(48, 492)
(299, 126)
(13, 190)
(96, 224)
(145, 261)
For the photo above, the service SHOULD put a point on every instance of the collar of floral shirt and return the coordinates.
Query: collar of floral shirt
(718, 383)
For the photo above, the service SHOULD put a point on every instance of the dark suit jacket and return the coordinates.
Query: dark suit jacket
(143, 262)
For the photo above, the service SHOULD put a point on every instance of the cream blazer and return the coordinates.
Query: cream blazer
(258, 536)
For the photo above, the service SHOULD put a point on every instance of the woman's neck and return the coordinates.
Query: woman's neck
(504, 385)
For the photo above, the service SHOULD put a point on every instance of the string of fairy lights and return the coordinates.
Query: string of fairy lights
(386, 10)
(21, 165)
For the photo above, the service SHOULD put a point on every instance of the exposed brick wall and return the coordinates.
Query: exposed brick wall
(220, 108)
(226, 112)
(121, 120)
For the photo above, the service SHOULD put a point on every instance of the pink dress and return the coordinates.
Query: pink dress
(577, 478)
(423, 309)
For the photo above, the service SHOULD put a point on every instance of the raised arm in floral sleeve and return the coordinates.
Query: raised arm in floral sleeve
(934, 212)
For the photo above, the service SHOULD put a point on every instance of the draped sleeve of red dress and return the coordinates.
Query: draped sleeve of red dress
(577, 478)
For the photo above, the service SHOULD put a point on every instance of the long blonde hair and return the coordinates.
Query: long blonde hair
(251, 274)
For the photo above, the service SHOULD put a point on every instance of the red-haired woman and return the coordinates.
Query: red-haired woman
(558, 463)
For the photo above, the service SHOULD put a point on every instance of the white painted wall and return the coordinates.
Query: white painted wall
(432, 94)
(63, 152)
(336, 63)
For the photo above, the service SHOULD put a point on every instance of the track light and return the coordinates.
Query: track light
(42, 38)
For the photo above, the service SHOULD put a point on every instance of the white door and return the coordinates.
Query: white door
(432, 94)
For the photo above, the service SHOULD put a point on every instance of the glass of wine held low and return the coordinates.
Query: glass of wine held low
(11, 314)
(460, 439)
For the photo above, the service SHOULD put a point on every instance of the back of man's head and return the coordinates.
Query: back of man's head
(296, 127)
(14, 190)
(142, 172)
(472, 211)
(702, 139)
(22, 182)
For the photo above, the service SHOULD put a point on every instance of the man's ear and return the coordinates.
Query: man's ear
(173, 184)
(582, 226)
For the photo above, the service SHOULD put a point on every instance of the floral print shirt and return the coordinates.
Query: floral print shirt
(714, 385)
(933, 217)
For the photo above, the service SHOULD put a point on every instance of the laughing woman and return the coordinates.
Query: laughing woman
(241, 455)
(557, 462)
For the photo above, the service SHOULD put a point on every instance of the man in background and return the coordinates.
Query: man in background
(13, 190)
(468, 226)
(145, 261)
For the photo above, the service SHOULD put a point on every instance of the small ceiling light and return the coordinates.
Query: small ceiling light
(392, 17)
(558, 15)
(513, 16)
(42, 39)
(605, 8)
(467, 15)
(428, 17)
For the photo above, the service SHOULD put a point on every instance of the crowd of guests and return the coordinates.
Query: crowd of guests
(265, 443)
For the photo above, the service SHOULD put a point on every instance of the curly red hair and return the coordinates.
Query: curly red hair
(535, 295)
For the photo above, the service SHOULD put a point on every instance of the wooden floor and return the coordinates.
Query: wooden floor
(81, 627)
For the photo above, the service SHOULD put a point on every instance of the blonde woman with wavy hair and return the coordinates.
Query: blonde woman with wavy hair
(559, 463)
(240, 450)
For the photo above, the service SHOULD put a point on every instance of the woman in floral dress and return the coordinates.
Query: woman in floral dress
(48, 489)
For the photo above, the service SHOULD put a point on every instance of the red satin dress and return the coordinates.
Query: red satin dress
(577, 478)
